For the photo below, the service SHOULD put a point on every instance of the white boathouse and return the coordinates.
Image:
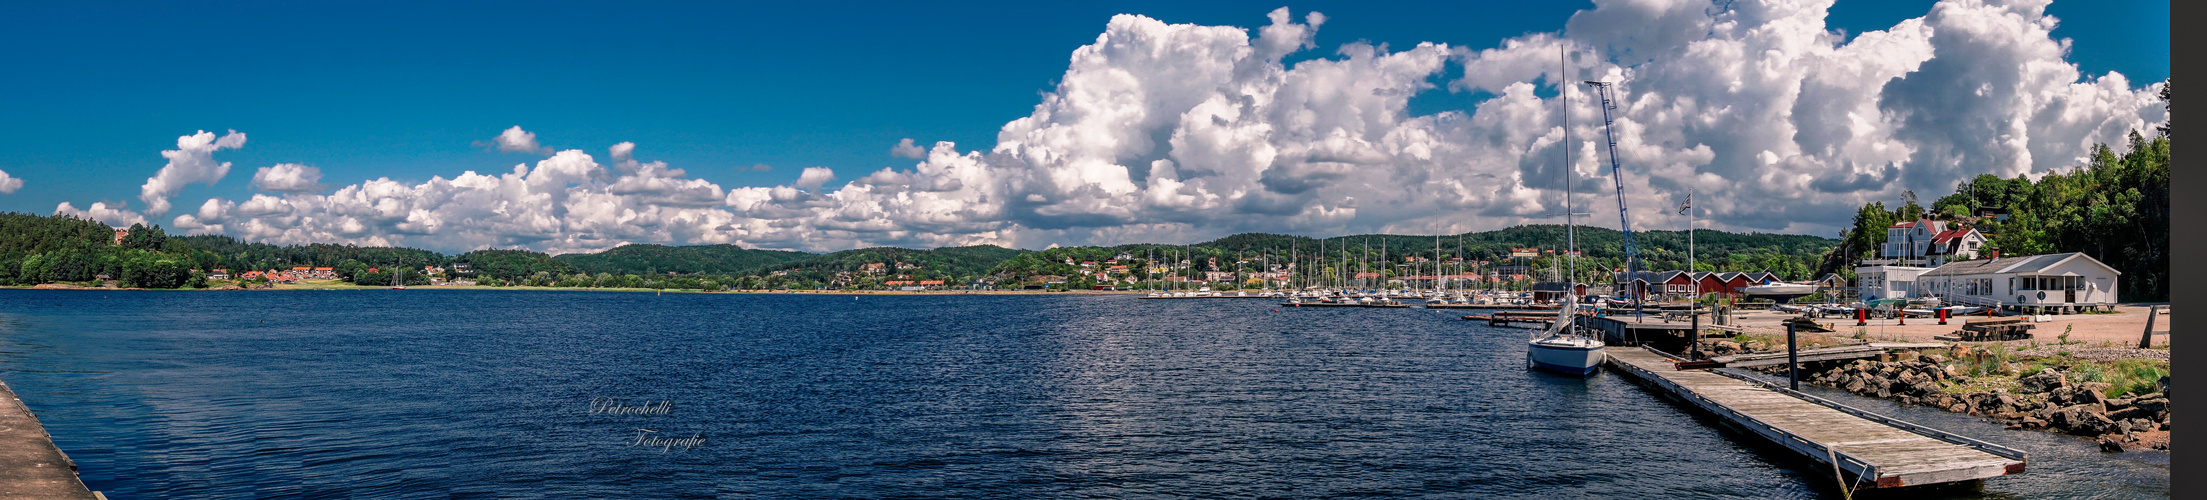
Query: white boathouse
(2052, 283)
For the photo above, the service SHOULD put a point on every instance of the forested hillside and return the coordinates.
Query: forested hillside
(693, 259)
(35, 249)
(1602, 250)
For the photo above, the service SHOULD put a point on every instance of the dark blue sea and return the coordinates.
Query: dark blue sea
(490, 394)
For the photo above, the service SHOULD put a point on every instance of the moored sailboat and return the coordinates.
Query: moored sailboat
(1563, 347)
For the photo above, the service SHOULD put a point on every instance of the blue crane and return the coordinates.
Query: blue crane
(1616, 170)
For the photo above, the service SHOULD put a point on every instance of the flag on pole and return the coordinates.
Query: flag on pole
(1686, 205)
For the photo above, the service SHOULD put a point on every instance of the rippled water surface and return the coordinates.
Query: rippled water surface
(481, 394)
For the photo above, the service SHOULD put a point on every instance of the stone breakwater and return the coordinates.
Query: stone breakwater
(2046, 400)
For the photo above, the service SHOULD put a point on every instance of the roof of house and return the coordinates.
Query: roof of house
(1934, 225)
(2030, 264)
(1649, 276)
(1951, 234)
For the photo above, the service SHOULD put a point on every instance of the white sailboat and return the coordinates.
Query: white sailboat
(1780, 291)
(1563, 347)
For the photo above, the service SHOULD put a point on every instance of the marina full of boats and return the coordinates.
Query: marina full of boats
(1429, 299)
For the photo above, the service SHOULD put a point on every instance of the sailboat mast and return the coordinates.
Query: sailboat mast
(1571, 228)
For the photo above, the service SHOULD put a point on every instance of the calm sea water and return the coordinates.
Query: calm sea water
(489, 394)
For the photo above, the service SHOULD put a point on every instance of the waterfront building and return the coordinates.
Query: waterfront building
(1681, 284)
(2062, 282)
(1554, 290)
(1880, 281)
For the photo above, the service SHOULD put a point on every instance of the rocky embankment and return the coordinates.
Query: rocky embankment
(2046, 400)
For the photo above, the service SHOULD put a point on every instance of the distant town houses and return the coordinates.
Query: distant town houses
(912, 285)
(869, 268)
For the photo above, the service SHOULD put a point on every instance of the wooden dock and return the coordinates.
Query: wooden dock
(30, 465)
(1628, 331)
(1475, 306)
(1543, 319)
(1874, 451)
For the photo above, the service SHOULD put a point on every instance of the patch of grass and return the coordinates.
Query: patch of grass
(2126, 377)
(1984, 363)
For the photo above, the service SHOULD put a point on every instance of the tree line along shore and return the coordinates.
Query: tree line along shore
(2113, 206)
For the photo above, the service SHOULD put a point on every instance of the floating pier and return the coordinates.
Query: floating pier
(30, 465)
(1874, 451)
(1512, 318)
(1475, 306)
(1652, 330)
(1208, 297)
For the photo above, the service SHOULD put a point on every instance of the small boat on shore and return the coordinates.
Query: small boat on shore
(1780, 291)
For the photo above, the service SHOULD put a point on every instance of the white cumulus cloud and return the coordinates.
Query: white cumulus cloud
(1178, 132)
(191, 162)
(516, 140)
(288, 178)
(113, 216)
(9, 183)
(906, 149)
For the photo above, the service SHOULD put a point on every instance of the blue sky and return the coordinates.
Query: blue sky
(405, 90)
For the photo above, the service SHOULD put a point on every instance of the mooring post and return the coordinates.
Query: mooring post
(2145, 340)
(1793, 360)
(1693, 338)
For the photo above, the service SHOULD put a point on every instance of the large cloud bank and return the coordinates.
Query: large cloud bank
(1177, 132)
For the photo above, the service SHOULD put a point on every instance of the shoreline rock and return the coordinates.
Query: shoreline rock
(2044, 401)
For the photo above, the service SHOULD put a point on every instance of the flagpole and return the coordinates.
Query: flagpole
(1690, 232)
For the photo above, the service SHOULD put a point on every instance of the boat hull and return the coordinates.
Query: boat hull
(1571, 360)
(1779, 292)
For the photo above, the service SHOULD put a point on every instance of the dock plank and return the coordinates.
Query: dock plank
(30, 465)
(1878, 453)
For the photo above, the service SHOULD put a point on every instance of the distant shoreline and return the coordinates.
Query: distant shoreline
(334, 286)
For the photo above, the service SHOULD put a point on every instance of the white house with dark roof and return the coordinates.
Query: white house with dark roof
(2062, 282)
(1927, 243)
(1954, 244)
